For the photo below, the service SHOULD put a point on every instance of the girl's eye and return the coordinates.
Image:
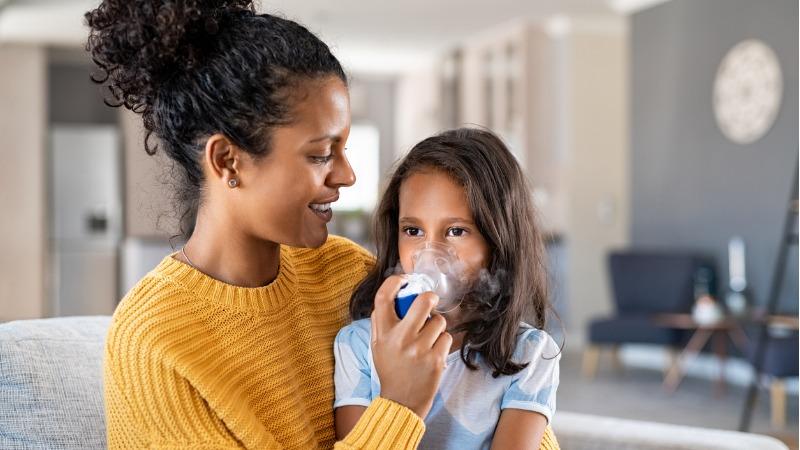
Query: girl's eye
(456, 232)
(412, 231)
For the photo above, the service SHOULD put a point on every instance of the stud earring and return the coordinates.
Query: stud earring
(233, 182)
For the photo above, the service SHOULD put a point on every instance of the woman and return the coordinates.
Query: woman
(228, 342)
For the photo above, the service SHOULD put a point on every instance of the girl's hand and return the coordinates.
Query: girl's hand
(409, 354)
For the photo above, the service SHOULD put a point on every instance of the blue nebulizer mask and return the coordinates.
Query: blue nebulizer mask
(436, 268)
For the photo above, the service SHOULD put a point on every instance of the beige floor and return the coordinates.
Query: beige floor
(637, 394)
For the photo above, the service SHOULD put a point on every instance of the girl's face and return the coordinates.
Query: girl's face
(286, 196)
(434, 208)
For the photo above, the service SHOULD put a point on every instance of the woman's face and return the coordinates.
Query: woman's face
(434, 208)
(286, 196)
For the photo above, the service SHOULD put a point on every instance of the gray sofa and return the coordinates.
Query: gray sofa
(51, 397)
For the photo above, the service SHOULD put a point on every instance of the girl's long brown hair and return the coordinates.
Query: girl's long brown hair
(500, 200)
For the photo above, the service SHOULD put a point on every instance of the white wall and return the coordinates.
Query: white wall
(23, 116)
(418, 111)
(576, 137)
(597, 167)
(148, 205)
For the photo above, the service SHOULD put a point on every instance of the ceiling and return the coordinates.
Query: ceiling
(369, 36)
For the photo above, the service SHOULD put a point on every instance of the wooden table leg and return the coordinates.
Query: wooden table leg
(720, 350)
(740, 339)
(777, 394)
(591, 355)
(616, 360)
(676, 374)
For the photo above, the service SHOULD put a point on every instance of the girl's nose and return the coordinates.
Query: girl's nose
(433, 239)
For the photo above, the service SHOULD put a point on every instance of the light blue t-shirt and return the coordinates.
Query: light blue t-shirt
(467, 406)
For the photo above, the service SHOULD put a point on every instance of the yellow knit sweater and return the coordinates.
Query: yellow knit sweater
(192, 362)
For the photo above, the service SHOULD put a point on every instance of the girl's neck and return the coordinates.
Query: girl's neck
(458, 339)
(454, 319)
(222, 251)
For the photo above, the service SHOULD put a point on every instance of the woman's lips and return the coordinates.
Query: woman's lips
(322, 210)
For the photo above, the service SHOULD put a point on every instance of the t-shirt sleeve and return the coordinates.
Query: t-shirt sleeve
(534, 388)
(352, 375)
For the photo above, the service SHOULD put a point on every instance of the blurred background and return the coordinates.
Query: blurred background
(660, 138)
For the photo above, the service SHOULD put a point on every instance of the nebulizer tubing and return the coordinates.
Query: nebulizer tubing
(435, 268)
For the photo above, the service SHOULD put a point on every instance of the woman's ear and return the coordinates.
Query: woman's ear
(222, 160)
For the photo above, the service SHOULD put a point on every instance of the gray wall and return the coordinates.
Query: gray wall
(691, 187)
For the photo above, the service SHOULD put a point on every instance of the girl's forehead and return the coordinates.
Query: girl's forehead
(433, 193)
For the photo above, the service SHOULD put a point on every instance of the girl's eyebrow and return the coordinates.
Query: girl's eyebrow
(446, 219)
(457, 219)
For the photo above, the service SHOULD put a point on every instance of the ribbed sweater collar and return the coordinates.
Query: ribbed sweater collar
(259, 299)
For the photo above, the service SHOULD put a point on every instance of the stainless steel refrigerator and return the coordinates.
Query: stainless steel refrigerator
(85, 219)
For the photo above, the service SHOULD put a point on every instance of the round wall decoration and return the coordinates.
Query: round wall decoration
(747, 91)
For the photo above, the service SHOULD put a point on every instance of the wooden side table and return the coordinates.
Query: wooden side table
(717, 332)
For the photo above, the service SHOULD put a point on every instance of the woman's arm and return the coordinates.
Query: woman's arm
(384, 424)
(519, 430)
(409, 358)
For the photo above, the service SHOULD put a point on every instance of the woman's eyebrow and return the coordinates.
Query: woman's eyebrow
(327, 137)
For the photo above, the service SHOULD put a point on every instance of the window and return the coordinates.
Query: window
(363, 151)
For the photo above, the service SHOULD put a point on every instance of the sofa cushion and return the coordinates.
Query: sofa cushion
(780, 358)
(51, 393)
(632, 330)
(588, 432)
(651, 282)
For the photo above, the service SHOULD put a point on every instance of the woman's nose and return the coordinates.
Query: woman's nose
(342, 174)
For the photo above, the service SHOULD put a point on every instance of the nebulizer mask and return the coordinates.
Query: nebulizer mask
(435, 268)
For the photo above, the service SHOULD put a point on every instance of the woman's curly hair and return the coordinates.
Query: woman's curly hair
(193, 68)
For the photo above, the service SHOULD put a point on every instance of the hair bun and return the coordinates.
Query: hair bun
(137, 44)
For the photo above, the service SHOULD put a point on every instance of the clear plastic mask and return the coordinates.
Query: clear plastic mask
(443, 271)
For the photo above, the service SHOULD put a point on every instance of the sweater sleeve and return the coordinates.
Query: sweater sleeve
(384, 424)
(177, 417)
(149, 404)
(549, 441)
(160, 411)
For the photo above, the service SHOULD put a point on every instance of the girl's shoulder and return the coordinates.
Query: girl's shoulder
(534, 343)
(354, 340)
(357, 330)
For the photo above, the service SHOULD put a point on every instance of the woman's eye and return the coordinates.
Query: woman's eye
(412, 231)
(456, 232)
(322, 159)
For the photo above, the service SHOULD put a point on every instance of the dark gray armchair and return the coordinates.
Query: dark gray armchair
(644, 284)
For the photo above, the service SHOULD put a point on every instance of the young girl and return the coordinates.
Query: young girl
(463, 189)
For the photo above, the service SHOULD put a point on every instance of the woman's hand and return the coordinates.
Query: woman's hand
(409, 354)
